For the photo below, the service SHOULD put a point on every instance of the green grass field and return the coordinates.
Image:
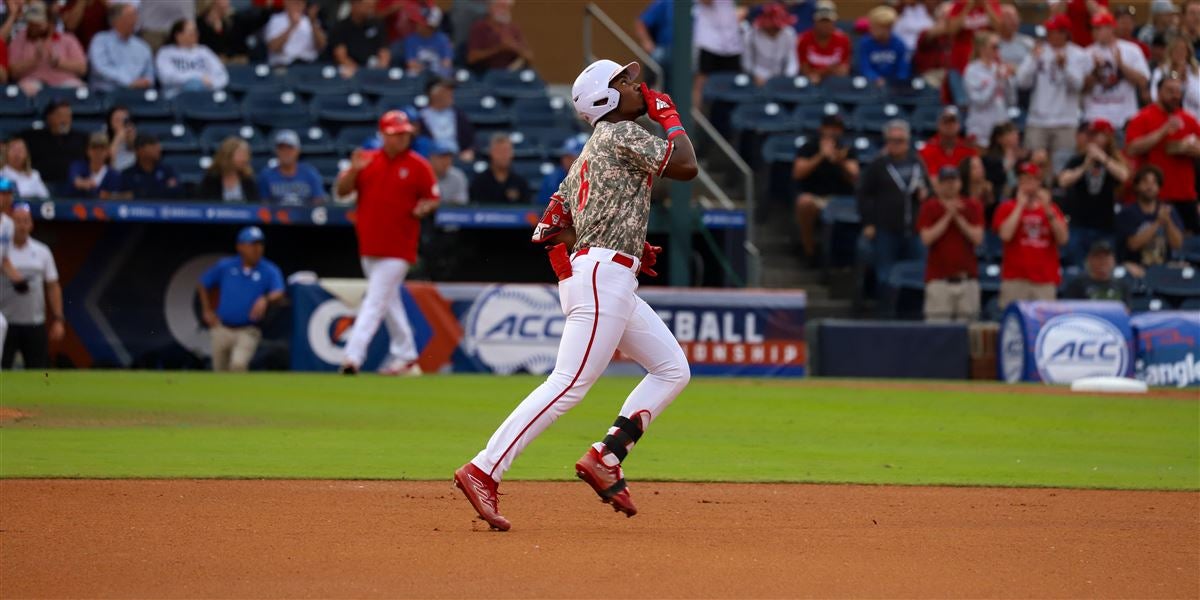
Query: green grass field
(123, 424)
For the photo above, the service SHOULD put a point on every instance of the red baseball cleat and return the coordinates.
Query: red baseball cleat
(609, 482)
(480, 490)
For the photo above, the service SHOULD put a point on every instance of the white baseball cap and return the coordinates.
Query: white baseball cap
(590, 93)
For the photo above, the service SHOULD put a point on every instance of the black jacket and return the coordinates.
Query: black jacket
(883, 203)
(213, 190)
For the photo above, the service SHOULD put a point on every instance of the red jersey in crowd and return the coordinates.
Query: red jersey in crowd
(1180, 171)
(1032, 253)
(977, 19)
(1081, 21)
(952, 255)
(835, 50)
(935, 157)
(388, 191)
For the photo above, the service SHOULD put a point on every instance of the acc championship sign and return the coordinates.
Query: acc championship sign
(1059, 342)
(1168, 353)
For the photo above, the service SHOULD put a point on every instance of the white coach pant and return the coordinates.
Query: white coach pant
(604, 314)
(382, 303)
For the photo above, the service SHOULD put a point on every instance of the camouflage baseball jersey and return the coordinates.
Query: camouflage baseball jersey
(607, 190)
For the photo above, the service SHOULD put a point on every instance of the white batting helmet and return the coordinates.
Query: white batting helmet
(590, 93)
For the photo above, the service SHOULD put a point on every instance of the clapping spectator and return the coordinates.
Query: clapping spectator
(1097, 282)
(824, 51)
(40, 56)
(566, 158)
(1003, 155)
(824, 167)
(223, 31)
(1056, 71)
(951, 227)
(294, 34)
(931, 56)
(93, 177)
(1189, 24)
(915, 18)
(118, 58)
(230, 177)
(122, 132)
(1164, 20)
(882, 58)
(965, 19)
(1149, 230)
(495, 42)
(84, 19)
(771, 45)
(54, 147)
(976, 185)
(1180, 60)
(18, 168)
(1119, 72)
(184, 65)
(1091, 180)
(1126, 16)
(452, 182)
(359, 40)
(890, 192)
(445, 122)
(990, 89)
(947, 147)
(499, 184)
(1032, 228)
(290, 182)
(1165, 135)
(12, 18)
(718, 40)
(1014, 46)
(35, 317)
(149, 178)
(427, 49)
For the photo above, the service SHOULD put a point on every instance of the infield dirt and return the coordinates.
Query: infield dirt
(242, 538)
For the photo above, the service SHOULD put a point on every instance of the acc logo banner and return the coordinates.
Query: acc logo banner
(512, 328)
(1074, 346)
(329, 329)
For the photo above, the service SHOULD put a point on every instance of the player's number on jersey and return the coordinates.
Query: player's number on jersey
(584, 186)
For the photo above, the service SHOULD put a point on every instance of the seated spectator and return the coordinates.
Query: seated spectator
(294, 35)
(976, 185)
(499, 184)
(951, 227)
(248, 284)
(1003, 155)
(1096, 282)
(1091, 180)
(566, 158)
(990, 89)
(824, 167)
(122, 133)
(1119, 71)
(1165, 135)
(824, 51)
(771, 45)
(230, 178)
(223, 31)
(1179, 59)
(36, 316)
(1055, 71)
(359, 40)
(158, 17)
(403, 16)
(54, 147)
(915, 17)
(452, 182)
(84, 19)
(1032, 228)
(184, 65)
(882, 58)
(931, 56)
(427, 49)
(445, 122)
(93, 178)
(1164, 20)
(718, 40)
(495, 42)
(1126, 16)
(890, 192)
(947, 147)
(290, 182)
(40, 56)
(18, 168)
(118, 58)
(965, 19)
(1149, 230)
(1014, 46)
(149, 178)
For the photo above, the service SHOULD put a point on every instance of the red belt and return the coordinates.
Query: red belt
(618, 258)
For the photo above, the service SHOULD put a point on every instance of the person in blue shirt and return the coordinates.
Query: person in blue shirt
(247, 285)
(93, 177)
(290, 182)
(567, 154)
(149, 178)
(882, 58)
(653, 29)
(427, 49)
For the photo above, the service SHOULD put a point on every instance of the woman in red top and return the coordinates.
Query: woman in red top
(1032, 229)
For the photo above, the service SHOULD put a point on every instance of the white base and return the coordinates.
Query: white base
(1110, 385)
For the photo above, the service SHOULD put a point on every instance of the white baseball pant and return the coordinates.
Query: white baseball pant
(382, 303)
(604, 314)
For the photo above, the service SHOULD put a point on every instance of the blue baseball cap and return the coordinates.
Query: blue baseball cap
(572, 146)
(444, 147)
(6, 185)
(22, 207)
(249, 235)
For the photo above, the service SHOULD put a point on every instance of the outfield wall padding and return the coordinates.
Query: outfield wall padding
(900, 349)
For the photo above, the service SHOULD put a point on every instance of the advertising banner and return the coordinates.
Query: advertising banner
(1059, 342)
(1168, 353)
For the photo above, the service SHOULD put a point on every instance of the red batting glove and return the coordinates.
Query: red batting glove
(649, 257)
(661, 110)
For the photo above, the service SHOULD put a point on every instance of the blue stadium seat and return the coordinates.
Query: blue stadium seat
(488, 112)
(344, 109)
(174, 137)
(524, 146)
(353, 137)
(913, 93)
(866, 148)
(513, 85)
(908, 275)
(734, 88)
(1190, 304)
(319, 79)
(768, 117)
(550, 138)
(850, 91)
(841, 209)
(472, 92)
(792, 91)
(143, 105)
(989, 277)
(314, 141)
(84, 102)
(992, 249)
(782, 148)
(11, 126)
(14, 103)
(208, 107)
(1173, 281)
(533, 171)
(1145, 303)
(399, 102)
(808, 117)
(276, 109)
(381, 82)
(189, 167)
(213, 135)
(89, 125)
(1191, 249)
(244, 79)
(870, 118)
(924, 118)
(543, 112)
(327, 166)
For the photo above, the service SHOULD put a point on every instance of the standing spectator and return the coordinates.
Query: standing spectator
(462, 16)
(248, 284)
(931, 57)
(717, 36)
(122, 133)
(566, 157)
(290, 182)
(1096, 282)
(976, 185)
(947, 147)
(824, 167)
(359, 40)
(990, 89)
(1165, 135)
(396, 188)
(499, 184)
(916, 17)
(1189, 25)
(54, 147)
(1126, 16)
(93, 178)
(427, 49)
(84, 19)
(4, 75)
(400, 17)
(18, 168)
(1179, 59)
(1149, 230)
(149, 178)
(157, 17)
(223, 31)
(1164, 20)
(452, 182)
(1032, 228)
(882, 58)
(40, 56)
(1003, 155)
(771, 45)
(184, 65)
(951, 227)
(12, 18)
(1079, 13)
(1119, 73)
(118, 58)
(653, 29)
(444, 122)
(294, 34)
(30, 324)
(230, 178)
(495, 42)
(1014, 46)
(890, 192)
(967, 18)
(1091, 179)
(1056, 71)
(824, 51)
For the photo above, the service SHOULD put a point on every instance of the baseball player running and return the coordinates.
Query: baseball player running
(396, 188)
(600, 212)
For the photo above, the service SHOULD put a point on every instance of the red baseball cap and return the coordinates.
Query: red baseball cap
(1104, 19)
(1101, 126)
(1058, 23)
(1030, 168)
(395, 121)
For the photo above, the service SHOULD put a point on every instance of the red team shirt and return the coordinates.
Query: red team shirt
(1032, 253)
(964, 40)
(952, 255)
(1180, 171)
(935, 157)
(1081, 21)
(835, 51)
(388, 191)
